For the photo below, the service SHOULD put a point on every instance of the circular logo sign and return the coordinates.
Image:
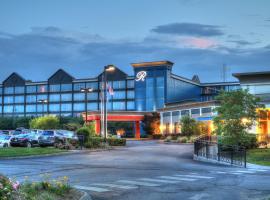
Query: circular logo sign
(141, 76)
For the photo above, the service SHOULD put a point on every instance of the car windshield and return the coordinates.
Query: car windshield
(17, 132)
(47, 133)
(23, 136)
(4, 137)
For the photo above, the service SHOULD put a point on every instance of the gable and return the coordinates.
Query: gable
(60, 77)
(114, 75)
(14, 80)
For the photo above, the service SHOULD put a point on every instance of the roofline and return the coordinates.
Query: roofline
(220, 83)
(251, 73)
(184, 79)
(152, 64)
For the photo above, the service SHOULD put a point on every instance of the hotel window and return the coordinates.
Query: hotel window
(42, 97)
(79, 106)
(8, 90)
(40, 107)
(131, 94)
(119, 106)
(130, 83)
(185, 113)
(66, 87)
(92, 96)
(206, 110)
(119, 84)
(0, 101)
(79, 97)
(18, 108)
(31, 89)
(92, 106)
(195, 111)
(19, 90)
(78, 86)
(54, 88)
(8, 99)
(42, 88)
(66, 107)
(30, 108)
(54, 107)
(66, 97)
(93, 85)
(8, 109)
(54, 97)
(131, 105)
(19, 99)
(176, 127)
(119, 95)
(31, 98)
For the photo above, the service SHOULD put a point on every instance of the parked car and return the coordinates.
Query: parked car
(19, 131)
(6, 132)
(5, 140)
(24, 140)
(68, 135)
(50, 138)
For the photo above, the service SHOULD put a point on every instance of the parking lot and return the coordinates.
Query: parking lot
(146, 170)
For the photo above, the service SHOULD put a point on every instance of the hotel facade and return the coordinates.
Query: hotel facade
(152, 88)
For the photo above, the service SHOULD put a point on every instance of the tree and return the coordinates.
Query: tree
(151, 124)
(45, 123)
(189, 126)
(236, 114)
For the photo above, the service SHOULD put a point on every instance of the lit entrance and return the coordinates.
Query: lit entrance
(129, 117)
(263, 127)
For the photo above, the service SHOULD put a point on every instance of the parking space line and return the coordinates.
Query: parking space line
(93, 189)
(139, 183)
(177, 178)
(195, 176)
(159, 180)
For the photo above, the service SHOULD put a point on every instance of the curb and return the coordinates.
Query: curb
(55, 154)
(85, 196)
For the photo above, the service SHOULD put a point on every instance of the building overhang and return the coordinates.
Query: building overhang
(253, 77)
(152, 64)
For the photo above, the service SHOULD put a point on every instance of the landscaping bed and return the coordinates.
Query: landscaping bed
(259, 156)
(56, 189)
(21, 151)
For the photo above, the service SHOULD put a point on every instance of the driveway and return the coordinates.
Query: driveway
(146, 170)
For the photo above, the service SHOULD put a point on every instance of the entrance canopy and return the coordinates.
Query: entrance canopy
(117, 116)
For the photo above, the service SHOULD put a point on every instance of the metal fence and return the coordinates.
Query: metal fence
(208, 147)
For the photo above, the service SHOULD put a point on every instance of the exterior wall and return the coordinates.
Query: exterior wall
(150, 94)
(182, 90)
(170, 119)
(64, 98)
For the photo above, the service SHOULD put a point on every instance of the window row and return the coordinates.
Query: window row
(66, 107)
(65, 87)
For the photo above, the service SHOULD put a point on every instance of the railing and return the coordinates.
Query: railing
(208, 147)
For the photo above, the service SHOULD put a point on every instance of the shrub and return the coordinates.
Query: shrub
(157, 136)
(72, 126)
(116, 141)
(46, 122)
(189, 126)
(168, 139)
(182, 139)
(85, 132)
(248, 141)
(94, 142)
(5, 188)
(192, 139)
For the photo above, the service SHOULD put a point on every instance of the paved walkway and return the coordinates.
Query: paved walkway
(146, 170)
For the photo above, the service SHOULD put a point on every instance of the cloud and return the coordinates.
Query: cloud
(189, 29)
(38, 54)
(243, 42)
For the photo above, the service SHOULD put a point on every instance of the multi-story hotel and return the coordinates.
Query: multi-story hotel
(153, 87)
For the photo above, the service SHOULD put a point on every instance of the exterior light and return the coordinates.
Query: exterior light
(109, 68)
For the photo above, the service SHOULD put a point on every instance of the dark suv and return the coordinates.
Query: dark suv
(24, 140)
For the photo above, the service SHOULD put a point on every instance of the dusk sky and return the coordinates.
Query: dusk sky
(81, 36)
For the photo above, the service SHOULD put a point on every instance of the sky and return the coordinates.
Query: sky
(38, 37)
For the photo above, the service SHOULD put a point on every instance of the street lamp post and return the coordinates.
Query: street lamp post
(108, 68)
(43, 101)
(86, 91)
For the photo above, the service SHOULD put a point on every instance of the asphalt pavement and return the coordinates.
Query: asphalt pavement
(147, 170)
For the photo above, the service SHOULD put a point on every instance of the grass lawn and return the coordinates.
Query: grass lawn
(21, 151)
(259, 156)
